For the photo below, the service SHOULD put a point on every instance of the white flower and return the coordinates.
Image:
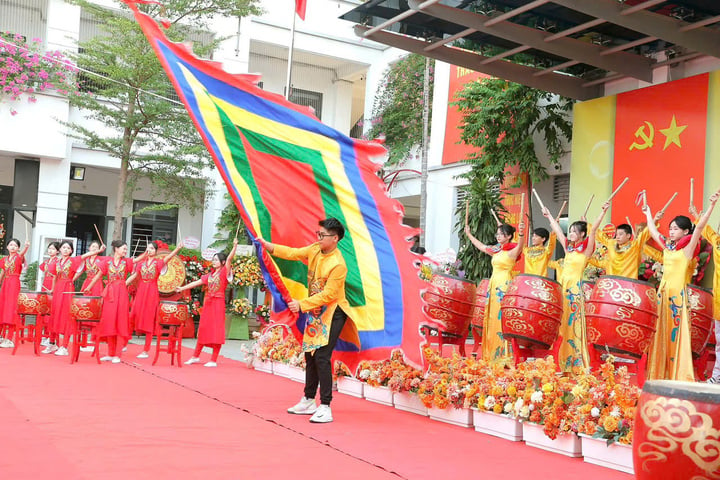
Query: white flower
(536, 397)
(525, 411)
(364, 374)
(595, 412)
(508, 407)
(519, 403)
(615, 412)
(489, 402)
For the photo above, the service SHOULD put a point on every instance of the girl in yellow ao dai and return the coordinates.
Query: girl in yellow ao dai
(670, 355)
(494, 347)
(579, 246)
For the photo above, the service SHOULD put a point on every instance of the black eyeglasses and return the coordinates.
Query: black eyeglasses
(322, 235)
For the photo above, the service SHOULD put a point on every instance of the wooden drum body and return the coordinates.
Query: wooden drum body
(173, 313)
(450, 301)
(33, 303)
(85, 308)
(700, 301)
(481, 296)
(621, 315)
(677, 431)
(532, 311)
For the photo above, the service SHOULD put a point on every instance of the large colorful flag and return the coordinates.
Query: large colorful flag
(286, 171)
(300, 6)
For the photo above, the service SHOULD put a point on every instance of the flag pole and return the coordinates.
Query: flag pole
(288, 78)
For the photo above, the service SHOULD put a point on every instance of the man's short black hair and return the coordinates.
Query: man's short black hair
(625, 228)
(333, 225)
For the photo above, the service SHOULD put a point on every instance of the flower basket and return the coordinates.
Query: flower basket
(262, 365)
(281, 369)
(351, 386)
(497, 425)
(381, 395)
(409, 402)
(461, 417)
(567, 444)
(617, 456)
(296, 374)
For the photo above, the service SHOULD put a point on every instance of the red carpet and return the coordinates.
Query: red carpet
(133, 421)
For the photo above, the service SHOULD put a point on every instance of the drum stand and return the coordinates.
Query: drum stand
(22, 332)
(522, 353)
(172, 334)
(85, 336)
(435, 335)
(477, 331)
(638, 366)
(700, 364)
(42, 330)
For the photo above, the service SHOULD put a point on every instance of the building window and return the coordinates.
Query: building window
(152, 225)
(561, 188)
(308, 99)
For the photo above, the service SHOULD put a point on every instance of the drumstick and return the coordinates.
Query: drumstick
(618, 188)
(588, 205)
(495, 217)
(562, 209)
(537, 197)
(73, 293)
(692, 189)
(238, 228)
(522, 207)
(627, 219)
(98, 234)
(467, 212)
(27, 232)
(136, 246)
(669, 202)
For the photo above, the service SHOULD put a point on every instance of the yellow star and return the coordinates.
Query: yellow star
(672, 133)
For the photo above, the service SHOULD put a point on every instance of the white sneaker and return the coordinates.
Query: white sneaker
(106, 358)
(713, 380)
(124, 349)
(306, 406)
(142, 355)
(50, 348)
(45, 342)
(87, 349)
(322, 415)
(192, 360)
(115, 360)
(6, 343)
(210, 364)
(62, 352)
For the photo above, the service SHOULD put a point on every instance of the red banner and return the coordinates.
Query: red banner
(660, 145)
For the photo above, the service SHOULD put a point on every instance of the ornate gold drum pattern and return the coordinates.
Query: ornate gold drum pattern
(621, 315)
(481, 296)
(173, 313)
(172, 276)
(700, 301)
(85, 308)
(33, 303)
(531, 311)
(450, 302)
(677, 431)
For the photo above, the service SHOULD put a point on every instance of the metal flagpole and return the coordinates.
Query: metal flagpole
(290, 55)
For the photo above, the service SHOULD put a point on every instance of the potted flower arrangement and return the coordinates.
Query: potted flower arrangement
(260, 355)
(346, 383)
(446, 386)
(376, 376)
(496, 399)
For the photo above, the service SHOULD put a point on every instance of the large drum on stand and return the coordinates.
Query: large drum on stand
(621, 315)
(450, 302)
(86, 309)
(33, 303)
(700, 301)
(173, 275)
(676, 431)
(531, 311)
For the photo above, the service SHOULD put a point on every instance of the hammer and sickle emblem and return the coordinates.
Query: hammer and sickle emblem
(647, 138)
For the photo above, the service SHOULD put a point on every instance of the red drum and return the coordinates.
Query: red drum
(33, 303)
(700, 301)
(173, 313)
(621, 316)
(531, 311)
(480, 303)
(450, 301)
(86, 309)
(676, 431)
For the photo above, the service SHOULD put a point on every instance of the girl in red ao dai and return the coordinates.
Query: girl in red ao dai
(10, 269)
(64, 271)
(114, 322)
(53, 251)
(211, 332)
(144, 310)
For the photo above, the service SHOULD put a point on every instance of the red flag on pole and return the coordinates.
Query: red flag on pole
(300, 8)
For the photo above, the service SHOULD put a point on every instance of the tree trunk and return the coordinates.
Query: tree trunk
(424, 152)
(124, 170)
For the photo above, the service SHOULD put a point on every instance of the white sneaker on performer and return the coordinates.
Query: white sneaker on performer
(106, 358)
(210, 364)
(45, 342)
(322, 415)
(124, 349)
(50, 348)
(142, 355)
(713, 380)
(62, 352)
(87, 349)
(6, 343)
(306, 406)
(192, 361)
(115, 360)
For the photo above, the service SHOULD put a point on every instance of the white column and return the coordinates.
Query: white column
(51, 216)
(342, 114)
(214, 208)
